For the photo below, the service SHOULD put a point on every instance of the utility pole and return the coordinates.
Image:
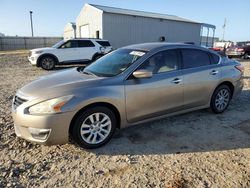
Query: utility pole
(31, 23)
(224, 29)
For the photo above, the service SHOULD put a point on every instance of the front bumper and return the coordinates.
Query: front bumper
(43, 129)
(33, 59)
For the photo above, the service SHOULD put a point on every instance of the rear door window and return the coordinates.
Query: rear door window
(192, 58)
(104, 43)
(85, 43)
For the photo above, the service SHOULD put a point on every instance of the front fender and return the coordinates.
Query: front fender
(113, 95)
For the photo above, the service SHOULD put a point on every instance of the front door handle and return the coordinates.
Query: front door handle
(214, 72)
(176, 80)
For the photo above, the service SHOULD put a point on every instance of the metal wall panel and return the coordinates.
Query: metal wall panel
(123, 30)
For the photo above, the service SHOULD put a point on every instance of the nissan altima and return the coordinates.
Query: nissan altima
(131, 85)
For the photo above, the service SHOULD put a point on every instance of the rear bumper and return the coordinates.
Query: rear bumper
(235, 54)
(238, 87)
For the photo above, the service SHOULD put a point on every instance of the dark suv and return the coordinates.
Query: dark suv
(241, 49)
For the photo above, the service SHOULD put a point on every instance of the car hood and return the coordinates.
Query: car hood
(42, 49)
(58, 84)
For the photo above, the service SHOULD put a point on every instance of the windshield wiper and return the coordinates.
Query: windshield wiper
(88, 73)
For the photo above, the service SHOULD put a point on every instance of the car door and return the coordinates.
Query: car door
(68, 51)
(158, 95)
(200, 76)
(86, 49)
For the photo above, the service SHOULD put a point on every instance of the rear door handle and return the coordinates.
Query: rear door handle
(214, 72)
(176, 80)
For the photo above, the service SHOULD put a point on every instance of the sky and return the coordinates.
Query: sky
(50, 16)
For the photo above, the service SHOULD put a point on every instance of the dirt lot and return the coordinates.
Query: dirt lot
(197, 149)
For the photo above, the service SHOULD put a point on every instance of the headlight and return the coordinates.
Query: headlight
(51, 106)
(38, 52)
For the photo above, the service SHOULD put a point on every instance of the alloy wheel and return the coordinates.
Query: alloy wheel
(96, 128)
(47, 63)
(222, 99)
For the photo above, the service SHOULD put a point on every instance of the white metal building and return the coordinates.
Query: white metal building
(69, 31)
(123, 27)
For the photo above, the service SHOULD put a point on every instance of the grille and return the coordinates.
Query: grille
(18, 101)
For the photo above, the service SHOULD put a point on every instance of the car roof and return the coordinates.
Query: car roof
(154, 45)
(88, 39)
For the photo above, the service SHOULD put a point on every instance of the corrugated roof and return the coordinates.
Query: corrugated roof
(141, 13)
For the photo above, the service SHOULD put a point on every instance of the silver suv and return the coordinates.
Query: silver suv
(69, 51)
(128, 86)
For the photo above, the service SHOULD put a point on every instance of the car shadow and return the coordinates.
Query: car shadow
(241, 60)
(199, 131)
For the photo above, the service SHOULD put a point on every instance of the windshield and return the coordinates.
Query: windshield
(114, 63)
(58, 44)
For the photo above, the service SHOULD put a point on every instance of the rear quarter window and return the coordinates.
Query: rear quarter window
(104, 43)
(214, 59)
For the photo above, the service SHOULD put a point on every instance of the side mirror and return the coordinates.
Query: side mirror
(142, 73)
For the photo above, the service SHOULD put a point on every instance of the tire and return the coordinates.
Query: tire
(87, 131)
(245, 56)
(220, 99)
(97, 56)
(47, 62)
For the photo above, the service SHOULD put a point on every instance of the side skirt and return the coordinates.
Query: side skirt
(165, 116)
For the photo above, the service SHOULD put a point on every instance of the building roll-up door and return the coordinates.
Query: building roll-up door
(84, 31)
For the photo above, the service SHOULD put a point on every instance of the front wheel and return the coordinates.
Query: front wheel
(47, 63)
(220, 99)
(94, 127)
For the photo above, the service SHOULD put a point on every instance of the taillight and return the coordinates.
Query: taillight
(239, 49)
(102, 49)
(240, 68)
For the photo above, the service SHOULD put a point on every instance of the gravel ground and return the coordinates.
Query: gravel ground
(197, 149)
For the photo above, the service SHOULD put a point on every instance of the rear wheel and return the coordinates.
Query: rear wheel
(221, 99)
(97, 56)
(94, 127)
(47, 63)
